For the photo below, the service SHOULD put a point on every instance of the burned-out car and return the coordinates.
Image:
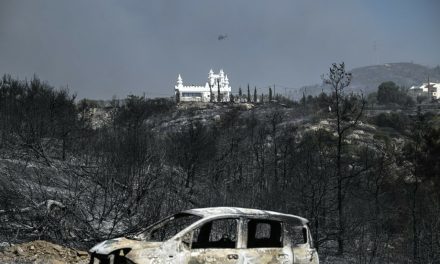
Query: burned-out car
(215, 235)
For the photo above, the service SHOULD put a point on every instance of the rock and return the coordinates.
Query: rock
(19, 251)
(82, 253)
(31, 248)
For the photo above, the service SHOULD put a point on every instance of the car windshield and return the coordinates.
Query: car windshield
(168, 227)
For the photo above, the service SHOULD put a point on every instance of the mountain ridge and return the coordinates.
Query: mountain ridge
(366, 79)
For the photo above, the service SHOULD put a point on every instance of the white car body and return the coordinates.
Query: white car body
(216, 235)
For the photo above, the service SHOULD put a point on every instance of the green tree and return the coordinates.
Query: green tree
(219, 96)
(255, 94)
(398, 121)
(248, 94)
(211, 94)
(178, 97)
(270, 94)
(388, 92)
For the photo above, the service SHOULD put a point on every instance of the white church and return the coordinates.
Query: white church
(193, 93)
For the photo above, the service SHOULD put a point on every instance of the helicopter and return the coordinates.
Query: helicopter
(222, 37)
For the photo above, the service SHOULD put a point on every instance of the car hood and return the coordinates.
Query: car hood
(108, 246)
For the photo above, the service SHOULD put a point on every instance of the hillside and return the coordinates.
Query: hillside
(368, 78)
(83, 175)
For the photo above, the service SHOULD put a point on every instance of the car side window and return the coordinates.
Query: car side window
(264, 233)
(297, 234)
(172, 226)
(220, 233)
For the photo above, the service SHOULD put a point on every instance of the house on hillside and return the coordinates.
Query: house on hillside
(216, 89)
(429, 89)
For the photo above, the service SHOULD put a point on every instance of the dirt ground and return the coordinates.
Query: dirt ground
(39, 252)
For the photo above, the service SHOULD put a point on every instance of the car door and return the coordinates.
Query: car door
(216, 241)
(298, 236)
(265, 242)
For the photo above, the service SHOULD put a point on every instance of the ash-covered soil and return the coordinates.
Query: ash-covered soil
(39, 252)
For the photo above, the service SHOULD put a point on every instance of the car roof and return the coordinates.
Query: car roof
(237, 211)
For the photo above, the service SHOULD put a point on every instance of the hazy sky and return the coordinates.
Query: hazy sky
(112, 47)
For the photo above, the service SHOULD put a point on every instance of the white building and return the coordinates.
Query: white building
(194, 93)
(432, 90)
